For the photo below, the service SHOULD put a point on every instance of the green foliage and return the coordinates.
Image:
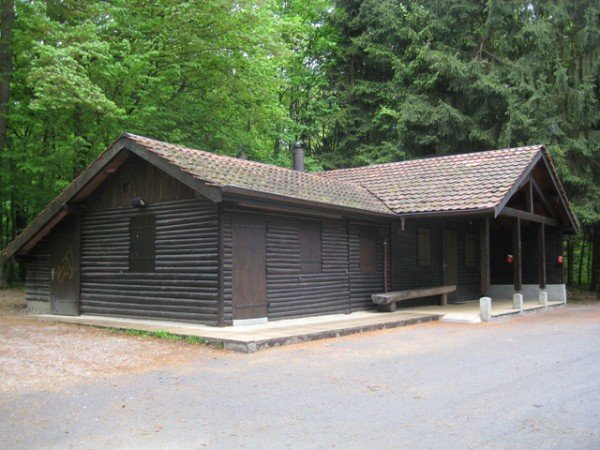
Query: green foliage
(206, 73)
(434, 77)
(358, 81)
(430, 77)
(160, 334)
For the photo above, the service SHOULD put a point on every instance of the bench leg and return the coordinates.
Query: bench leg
(387, 308)
(444, 300)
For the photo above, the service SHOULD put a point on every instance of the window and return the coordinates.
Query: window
(368, 249)
(142, 233)
(310, 247)
(470, 250)
(423, 247)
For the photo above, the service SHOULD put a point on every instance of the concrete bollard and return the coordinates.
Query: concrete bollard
(485, 309)
(518, 301)
(543, 298)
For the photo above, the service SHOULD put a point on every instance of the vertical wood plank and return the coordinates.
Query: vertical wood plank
(542, 255)
(249, 267)
(485, 257)
(385, 264)
(518, 253)
(529, 197)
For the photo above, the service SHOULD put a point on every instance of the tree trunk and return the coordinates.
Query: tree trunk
(595, 278)
(588, 263)
(570, 262)
(7, 20)
(580, 268)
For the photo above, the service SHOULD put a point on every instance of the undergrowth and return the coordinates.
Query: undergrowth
(161, 334)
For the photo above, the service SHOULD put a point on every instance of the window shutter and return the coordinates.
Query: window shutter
(310, 247)
(142, 236)
(470, 251)
(368, 249)
(423, 247)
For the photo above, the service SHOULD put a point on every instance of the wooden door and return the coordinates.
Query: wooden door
(449, 262)
(249, 267)
(64, 267)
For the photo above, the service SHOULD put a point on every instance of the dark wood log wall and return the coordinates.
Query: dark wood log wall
(293, 294)
(554, 249)
(501, 245)
(226, 225)
(37, 281)
(364, 284)
(406, 274)
(183, 285)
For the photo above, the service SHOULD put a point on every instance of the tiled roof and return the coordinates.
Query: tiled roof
(223, 172)
(469, 181)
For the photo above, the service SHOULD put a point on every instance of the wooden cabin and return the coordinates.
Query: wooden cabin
(154, 230)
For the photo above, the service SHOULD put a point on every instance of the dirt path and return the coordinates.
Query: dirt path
(37, 355)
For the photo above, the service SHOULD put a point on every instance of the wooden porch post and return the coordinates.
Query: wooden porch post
(484, 238)
(517, 263)
(542, 255)
(385, 264)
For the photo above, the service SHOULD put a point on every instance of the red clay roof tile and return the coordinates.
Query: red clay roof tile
(462, 182)
(223, 171)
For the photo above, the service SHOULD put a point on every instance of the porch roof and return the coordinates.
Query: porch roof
(463, 182)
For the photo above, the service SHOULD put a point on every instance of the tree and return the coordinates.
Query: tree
(202, 73)
(7, 20)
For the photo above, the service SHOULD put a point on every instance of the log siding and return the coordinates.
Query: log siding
(406, 272)
(501, 245)
(364, 284)
(183, 285)
(340, 287)
(37, 280)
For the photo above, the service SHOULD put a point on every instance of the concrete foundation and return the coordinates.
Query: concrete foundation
(543, 298)
(246, 322)
(518, 301)
(251, 338)
(38, 307)
(485, 309)
(556, 292)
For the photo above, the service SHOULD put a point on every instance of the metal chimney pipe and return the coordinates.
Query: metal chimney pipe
(298, 157)
(242, 153)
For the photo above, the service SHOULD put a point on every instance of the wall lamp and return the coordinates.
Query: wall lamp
(138, 202)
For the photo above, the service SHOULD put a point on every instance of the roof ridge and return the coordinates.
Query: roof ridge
(242, 162)
(328, 183)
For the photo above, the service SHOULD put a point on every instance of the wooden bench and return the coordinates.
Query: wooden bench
(387, 300)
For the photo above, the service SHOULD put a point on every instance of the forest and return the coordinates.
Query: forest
(356, 81)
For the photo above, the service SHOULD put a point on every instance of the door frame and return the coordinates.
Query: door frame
(67, 268)
(244, 313)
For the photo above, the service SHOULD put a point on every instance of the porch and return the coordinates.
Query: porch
(501, 261)
(471, 311)
(250, 338)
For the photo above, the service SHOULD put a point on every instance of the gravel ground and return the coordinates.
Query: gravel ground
(36, 355)
(529, 382)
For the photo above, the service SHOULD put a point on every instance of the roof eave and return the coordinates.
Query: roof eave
(544, 156)
(243, 192)
(485, 211)
(54, 208)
